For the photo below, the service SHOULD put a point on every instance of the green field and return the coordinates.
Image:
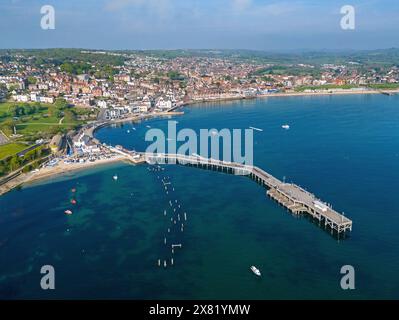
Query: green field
(34, 120)
(11, 149)
(6, 106)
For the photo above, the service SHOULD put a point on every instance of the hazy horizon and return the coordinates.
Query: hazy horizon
(271, 51)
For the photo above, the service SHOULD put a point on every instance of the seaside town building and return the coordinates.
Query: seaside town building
(146, 83)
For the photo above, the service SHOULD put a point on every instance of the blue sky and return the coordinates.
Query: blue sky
(226, 24)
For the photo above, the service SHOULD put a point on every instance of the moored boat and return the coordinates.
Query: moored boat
(256, 271)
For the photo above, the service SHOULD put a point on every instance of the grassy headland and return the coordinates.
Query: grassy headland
(24, 123)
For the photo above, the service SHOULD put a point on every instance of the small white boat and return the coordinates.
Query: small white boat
(128, 131)
(256, 271)
(68, 212)
(149, 127)
(115, 177)
(285, 126)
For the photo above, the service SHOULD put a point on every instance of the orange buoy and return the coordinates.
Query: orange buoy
(73, 201)
(73, 190)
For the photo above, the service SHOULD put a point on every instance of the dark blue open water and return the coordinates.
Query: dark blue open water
(343, 148)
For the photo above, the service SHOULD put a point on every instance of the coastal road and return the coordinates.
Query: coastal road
(3, 138)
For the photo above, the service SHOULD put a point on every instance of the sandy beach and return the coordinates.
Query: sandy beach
(57, 170)
(293, 94)
(338, 92)
(63, 168)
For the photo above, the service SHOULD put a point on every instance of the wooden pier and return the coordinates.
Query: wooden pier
(291, 196)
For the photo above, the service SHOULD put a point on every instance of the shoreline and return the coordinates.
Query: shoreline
(292, 94)
(58, 170)
(62, 168)
(134, 118)
(149, 116)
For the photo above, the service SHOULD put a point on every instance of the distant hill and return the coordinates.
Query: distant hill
(383, 57)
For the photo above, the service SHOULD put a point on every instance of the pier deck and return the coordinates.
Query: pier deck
(291, 196)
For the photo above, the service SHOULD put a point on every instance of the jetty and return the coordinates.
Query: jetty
(291, 196)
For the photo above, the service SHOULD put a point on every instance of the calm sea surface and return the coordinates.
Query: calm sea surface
(345, 149)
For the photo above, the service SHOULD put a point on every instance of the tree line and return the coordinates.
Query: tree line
(15, 161)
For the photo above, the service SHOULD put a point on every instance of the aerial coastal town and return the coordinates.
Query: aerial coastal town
(51, 101)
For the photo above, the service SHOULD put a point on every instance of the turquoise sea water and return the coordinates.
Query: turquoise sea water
(345, 149)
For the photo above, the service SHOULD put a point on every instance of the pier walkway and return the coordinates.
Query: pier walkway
(289, 195)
